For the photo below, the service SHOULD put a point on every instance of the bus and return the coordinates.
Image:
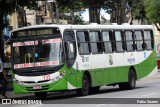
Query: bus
(47, 58)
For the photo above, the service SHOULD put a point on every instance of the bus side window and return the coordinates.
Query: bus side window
(83, 45)
(118, 41)
(107, 41)
(95, 42)
(148, 37)
(129, 40)
(139, 40)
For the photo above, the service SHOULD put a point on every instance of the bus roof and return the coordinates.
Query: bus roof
(95, 26)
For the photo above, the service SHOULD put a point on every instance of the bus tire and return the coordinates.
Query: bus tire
(131, 84)
(41, 95)
(94, 90)
(85, 87)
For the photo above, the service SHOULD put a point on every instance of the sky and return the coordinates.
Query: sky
(85, 15)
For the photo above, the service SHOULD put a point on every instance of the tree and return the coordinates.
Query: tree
(8, 7)
(153, 11)
(118, 8)
(71, 6)
(78, 20)
(138, 11)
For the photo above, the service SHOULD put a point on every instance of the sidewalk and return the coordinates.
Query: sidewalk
(153, 77)
(10, 94)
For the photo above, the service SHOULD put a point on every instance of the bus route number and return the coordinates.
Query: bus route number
(85, 59)
(46, 77)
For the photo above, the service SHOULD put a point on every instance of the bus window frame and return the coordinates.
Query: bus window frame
(122, 37)
(152, 39)
(89, 48)
(111, 41)
(97, 42)
(133, 40)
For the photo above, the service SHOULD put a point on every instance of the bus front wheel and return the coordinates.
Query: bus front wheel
(131, 84)
(85, 87)
(40, 95)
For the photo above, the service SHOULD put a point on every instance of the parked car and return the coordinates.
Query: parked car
(158, 61)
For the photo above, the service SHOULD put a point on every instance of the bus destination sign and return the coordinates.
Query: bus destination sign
(35, 32)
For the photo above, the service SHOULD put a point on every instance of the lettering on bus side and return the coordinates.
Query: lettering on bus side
(85, 59)
(131, 59)
(110, 60)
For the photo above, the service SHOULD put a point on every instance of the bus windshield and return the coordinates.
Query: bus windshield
(38, 53)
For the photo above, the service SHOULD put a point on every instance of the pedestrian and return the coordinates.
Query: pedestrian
(3, 80)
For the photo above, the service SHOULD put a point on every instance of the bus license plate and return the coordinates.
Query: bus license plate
(37, 87)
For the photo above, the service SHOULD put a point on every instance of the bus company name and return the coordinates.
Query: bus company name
(131, 60)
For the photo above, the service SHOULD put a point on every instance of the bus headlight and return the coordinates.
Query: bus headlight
(59, 76)
(62, 73)
(17, 81)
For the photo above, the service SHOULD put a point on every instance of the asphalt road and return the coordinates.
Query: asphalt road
(147, 93)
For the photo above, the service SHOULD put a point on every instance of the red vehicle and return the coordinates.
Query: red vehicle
(158, 61)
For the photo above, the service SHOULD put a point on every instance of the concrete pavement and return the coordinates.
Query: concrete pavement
(10, 94)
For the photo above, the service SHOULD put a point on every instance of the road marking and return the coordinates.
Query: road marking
(149, 94)
(36, 105)
(100, 105)
(112, 104)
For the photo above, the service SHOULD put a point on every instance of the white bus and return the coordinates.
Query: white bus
(81, 57)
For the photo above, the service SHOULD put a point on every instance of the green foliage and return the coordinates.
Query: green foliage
(78, 20)
(152, 8)
(138, 11)
(70, 5)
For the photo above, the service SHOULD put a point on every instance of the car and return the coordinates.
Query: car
(158, 61)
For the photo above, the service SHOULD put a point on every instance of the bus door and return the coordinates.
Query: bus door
(70, 52)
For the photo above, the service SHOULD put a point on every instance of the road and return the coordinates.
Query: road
(147, 91)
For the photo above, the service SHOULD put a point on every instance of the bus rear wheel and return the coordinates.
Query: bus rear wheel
(85, 87)
(41, 95)
(131, 84)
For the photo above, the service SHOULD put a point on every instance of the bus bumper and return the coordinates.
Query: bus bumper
(55, 86)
